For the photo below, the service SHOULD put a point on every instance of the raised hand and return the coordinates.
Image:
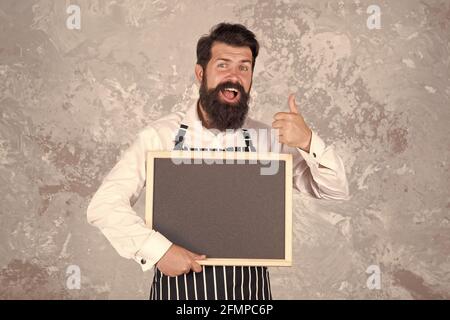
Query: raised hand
(293, 131)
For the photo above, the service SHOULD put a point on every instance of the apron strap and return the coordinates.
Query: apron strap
(248, 141)
(179, 140)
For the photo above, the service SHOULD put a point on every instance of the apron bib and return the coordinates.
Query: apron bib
(213, 282)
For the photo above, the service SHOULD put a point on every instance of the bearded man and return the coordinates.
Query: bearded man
(217, 121)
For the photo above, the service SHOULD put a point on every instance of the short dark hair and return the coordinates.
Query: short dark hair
(235, 35)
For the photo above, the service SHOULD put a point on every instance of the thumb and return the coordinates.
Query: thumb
(292, 106)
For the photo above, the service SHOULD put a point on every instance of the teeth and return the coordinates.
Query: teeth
(231, 89)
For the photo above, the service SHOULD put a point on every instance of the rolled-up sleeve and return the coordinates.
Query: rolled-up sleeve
(321, 172)
(111, 206)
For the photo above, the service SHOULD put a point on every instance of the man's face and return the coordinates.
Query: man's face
(225, 85)
(232, 64)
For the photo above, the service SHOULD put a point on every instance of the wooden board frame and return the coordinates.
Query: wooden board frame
(230, 156)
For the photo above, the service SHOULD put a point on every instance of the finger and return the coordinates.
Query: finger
(186, 269)
(196, 267)
(277, 124)
(282, 115)
(196, 256)
(292, 105)
(279, 133)
(193, 254)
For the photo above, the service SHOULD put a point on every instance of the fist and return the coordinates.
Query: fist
(177, 261)
(292, 129)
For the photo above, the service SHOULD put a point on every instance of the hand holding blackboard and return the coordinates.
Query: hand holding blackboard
(178, 260)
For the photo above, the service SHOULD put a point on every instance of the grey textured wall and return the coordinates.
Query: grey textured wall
(72, 100)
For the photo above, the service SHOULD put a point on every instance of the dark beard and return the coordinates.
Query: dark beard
(221, 114)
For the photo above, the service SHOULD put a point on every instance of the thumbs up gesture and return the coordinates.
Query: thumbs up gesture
(293, 130)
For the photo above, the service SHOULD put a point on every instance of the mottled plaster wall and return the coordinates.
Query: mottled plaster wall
(72, 100)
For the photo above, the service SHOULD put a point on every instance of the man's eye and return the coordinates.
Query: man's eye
(244, 68)
(222, 65)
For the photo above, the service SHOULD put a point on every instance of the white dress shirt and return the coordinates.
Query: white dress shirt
(319, 173)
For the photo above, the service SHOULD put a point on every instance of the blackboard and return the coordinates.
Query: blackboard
(234, 207)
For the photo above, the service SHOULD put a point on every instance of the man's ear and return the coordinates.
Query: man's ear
(199, 72)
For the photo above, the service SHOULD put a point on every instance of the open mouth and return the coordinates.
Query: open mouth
(230, 95)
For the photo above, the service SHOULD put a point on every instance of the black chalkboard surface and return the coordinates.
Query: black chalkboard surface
(234, 207)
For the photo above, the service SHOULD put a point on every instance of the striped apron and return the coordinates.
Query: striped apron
(213, 282)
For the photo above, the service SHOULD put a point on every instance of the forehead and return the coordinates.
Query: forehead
(222, 50)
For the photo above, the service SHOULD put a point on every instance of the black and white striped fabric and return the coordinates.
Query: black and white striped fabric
(213, 282)
(179, 141)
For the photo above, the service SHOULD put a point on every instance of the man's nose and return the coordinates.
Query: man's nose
(233, 76)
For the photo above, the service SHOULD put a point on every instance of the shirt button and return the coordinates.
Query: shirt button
(143, 261)
(314, 154)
